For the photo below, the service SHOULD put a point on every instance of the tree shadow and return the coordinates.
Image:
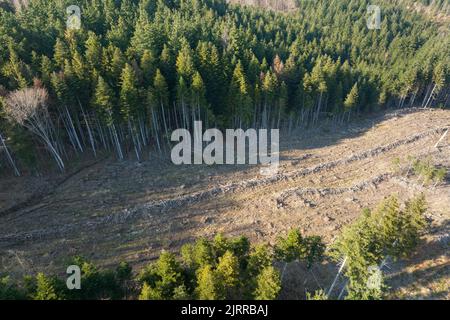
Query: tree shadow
(426, 275)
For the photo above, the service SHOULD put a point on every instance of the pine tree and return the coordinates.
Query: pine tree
(148, 66)
(239, 100)
(317, 295)
(207, 284)
(129, 96)
(16, 70)
(268, 284)
(290, 248)
(117, 64)
(103, 100)
(46, 68)
(227, 272)
(161, 88)
(60, 53)
(351, 101)
(161, 278)
(385, 232)
(259, 258)
(119, 33)
(198, 97)
(45, 289)
(93, 51)
(149, 293)
(185, 63)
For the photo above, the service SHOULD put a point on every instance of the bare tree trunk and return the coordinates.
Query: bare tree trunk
(341, 268)
(8, 155)
(165, 124)
(74, 132)
(426, 95)
(431, 95)
(117, 142)
(133, 138)
(155, 130)
(413, 98)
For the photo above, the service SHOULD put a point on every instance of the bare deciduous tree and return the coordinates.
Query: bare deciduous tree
(28, 107)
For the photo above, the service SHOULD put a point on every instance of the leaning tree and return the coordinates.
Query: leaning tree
(28, 108)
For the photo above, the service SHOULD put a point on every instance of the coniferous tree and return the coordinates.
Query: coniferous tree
(207, 284)
(351, 101)
(268, 284)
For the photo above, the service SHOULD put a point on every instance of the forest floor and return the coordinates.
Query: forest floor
(111, 211)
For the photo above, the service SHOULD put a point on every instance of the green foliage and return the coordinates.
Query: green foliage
(9, 290)
(45, 288)
(224, 64)
(225, 268)
(428, 172)
(295, 247)
(95, 284)
(227, 271)
(101, 284)
(386, 232)
(290, 248)
(219, 269)
(268, 284)
(129, 96)
(318, 295)
(103, 100)
(351, 100)
(260, 257)
(161, 278)
(207, 284)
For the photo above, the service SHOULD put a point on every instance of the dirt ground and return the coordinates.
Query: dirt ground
(112, 211)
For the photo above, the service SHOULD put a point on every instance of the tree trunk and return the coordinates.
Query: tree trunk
(8, 155)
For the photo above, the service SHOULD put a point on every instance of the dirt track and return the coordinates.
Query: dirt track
(126, 211)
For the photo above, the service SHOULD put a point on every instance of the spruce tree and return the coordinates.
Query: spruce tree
(268, 284)
(207, 284)
(227, 272)
(45, 289)
(129, 95)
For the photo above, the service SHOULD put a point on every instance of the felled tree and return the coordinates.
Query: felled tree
(28, 108)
